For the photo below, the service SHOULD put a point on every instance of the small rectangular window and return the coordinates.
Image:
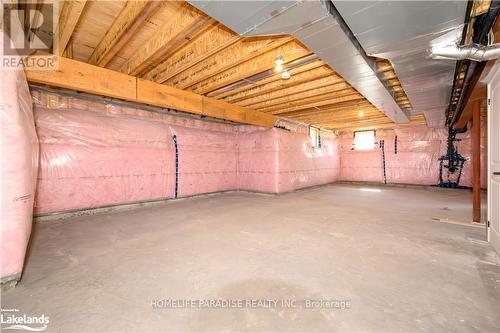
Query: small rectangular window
(364, 140)
(315, 138)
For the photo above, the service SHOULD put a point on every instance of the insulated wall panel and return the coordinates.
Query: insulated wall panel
(97, 153)
(362, 165)
(412, 158)
(91, 160)
(19, 148)
(300, 165)
(258, 160)
(207, 160)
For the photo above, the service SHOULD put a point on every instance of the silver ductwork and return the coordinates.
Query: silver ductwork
(475, 52)
(403, 32)
(323, 32)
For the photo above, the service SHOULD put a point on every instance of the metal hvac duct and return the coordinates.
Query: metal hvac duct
(475, 52)
(403, 32)
(316, 24)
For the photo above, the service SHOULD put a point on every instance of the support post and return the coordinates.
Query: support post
(476, 160)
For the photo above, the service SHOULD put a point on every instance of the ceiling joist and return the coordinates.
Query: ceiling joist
(204, 46)
(128, 22)
(68, 19)
(171, 36)
(172, 45)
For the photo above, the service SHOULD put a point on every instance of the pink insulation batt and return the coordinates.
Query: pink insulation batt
(91, 159)
(416, 161)
(19, 169)
(95, 154)
(207, 160)
(277, 161)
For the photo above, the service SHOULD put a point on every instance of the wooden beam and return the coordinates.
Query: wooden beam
(96, 80)
(68, 19)
(478, 94)
(126, 24)
(170, 37)
(80, 76)
(476, 161)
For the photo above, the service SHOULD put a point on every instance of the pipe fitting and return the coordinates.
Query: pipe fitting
(475, 52)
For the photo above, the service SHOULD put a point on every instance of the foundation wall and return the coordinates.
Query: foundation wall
(19, 151)
(96, 154)
(415, 160)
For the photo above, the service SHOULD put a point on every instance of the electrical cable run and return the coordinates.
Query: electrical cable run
(382, 148)
(176, 166)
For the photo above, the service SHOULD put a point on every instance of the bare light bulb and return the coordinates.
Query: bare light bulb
(285, 75)
(278, 64)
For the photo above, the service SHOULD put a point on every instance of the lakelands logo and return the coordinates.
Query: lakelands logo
(29, 34)
(12, 319)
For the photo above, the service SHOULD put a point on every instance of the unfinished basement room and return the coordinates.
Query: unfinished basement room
(250, 166)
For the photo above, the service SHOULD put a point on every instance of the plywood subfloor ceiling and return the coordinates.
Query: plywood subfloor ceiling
(172, 43)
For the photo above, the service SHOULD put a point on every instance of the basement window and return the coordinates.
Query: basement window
(315, 138)
(364, 140)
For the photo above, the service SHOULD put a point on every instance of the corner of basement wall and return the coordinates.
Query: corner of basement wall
(412, 159)
(300, 165)
(257, 159)
(97, 153)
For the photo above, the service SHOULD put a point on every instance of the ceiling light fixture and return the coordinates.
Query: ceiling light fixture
(278, 64)
(285, 75)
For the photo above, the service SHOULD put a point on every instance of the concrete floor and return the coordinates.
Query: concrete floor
(380, 251)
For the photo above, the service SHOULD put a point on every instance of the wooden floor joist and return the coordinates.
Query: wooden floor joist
(175, 44)
(167, 39)
(131, 18)
(68, 19)
(96, 80)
